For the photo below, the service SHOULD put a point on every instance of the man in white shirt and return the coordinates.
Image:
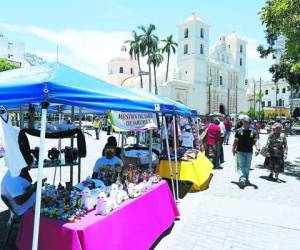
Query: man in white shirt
(19, 191)
(187, 137)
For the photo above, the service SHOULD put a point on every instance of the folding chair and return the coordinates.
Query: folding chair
(14, 218)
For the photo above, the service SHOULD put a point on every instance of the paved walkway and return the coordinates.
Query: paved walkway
(226, 217)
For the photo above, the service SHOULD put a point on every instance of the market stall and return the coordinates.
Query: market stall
(57, 83)
(193, 166)
(134, 225)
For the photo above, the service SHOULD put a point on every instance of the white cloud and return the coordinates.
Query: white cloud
(251, 48)
(87, 50)
(256, 66)
(91, 50)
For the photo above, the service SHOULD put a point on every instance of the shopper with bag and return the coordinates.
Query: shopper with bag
(276, 151)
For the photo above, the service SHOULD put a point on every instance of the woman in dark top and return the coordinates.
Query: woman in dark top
(112, 141)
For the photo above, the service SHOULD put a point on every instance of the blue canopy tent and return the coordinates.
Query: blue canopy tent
(169, 107)
(58, 83)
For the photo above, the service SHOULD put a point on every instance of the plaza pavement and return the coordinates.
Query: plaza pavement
(223, 217)
(226, 217)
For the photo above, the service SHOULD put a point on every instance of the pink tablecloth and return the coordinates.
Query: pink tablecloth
(136, 224)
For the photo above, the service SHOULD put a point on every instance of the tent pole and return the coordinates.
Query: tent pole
(40, 177)
(72, 146)
(79, 159)
(21, 117)
(150, 148)
(169, 156)
(175, 152)
(161, 133)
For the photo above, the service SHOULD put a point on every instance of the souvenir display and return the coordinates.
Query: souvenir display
(71, 154)
(109, 174)
(53, 154)
(183, 154)
(61, 203)
(69, 204)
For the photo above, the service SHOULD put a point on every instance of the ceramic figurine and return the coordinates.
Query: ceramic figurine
(114, 191)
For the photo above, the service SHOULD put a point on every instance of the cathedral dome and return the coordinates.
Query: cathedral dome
(122, 56)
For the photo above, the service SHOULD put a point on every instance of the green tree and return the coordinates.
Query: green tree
(156, 59)
(5, 65)
(135, 52)
(282, 19)
(149, 42)
(170, 46)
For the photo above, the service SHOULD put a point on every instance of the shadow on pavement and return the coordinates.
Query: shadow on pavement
(290, 169)
(268, 178)
(165, 233)
(3, 231)
(249, 184)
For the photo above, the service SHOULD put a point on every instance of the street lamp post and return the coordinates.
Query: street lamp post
(254, 104)
(260, 96)
(276, 98)
(236, 96)
(228, 94)
(209, 107)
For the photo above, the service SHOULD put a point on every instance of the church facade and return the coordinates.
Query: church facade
(208, 78)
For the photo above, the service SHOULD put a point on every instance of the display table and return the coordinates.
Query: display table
(197, 171)
(136, 224)
(142, 154)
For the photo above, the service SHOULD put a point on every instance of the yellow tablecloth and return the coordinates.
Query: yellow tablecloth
(197, 171)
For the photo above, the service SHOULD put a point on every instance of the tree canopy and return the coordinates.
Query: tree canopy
(281, 19)
(5, 65)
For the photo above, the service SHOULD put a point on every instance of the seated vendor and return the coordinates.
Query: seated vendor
(187, 137)
(108, 160)
(19, 191)
(112, 141)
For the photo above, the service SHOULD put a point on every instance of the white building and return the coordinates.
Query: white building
(207, 78)
(12, 51)
(275, 98)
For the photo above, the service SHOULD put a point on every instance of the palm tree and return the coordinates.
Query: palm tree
(149, 42)
(170, 46)
(135, 51)
(156, 59)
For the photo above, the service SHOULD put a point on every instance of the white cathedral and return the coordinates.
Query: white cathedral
(207, 78)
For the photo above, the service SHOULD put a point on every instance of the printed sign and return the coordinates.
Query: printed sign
(131, 121)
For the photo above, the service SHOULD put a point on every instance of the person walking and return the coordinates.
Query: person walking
(96, 125)
(212, 140)
(228, 127)
(245, 139)
(222, 127)
(276, 151)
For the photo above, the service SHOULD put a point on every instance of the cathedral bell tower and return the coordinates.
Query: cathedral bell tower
(193, 49)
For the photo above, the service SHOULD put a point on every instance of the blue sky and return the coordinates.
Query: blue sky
(90, 32)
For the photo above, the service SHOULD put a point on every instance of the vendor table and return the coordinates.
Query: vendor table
(198, 171)
(136, 224)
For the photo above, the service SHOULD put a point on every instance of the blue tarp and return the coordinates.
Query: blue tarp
(58, 83)
(167, 105)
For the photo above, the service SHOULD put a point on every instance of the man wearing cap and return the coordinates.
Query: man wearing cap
(245, 139)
